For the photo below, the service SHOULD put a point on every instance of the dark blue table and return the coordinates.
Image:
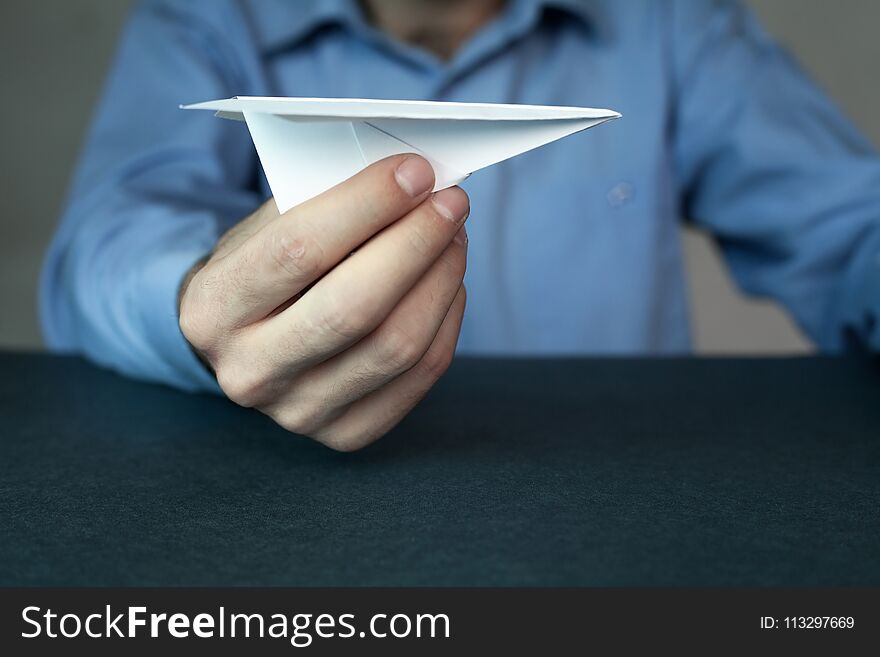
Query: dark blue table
(574, 472)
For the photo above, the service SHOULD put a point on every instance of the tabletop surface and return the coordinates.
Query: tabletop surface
(571, 472)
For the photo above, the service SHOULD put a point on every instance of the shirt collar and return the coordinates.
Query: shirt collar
(282, 24)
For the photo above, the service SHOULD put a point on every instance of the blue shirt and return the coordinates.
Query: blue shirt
(574, 248)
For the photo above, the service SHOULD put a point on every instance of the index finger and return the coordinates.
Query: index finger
(288, 254)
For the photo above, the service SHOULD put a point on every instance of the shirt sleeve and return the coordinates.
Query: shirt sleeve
(774, 170)
(154, 189)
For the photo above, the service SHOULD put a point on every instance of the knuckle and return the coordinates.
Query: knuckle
(397, 350)
(299, 418)
(195, 324)
(298, 256)
(436, 362)
(188, 324)
(347, 321)
(242, 385)
(348, 442)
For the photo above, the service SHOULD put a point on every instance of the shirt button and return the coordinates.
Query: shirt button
(621, 194)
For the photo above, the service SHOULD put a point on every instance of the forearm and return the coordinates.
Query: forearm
(110, 284)
(778, 174)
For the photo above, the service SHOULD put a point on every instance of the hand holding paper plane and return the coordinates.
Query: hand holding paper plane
(308, 145)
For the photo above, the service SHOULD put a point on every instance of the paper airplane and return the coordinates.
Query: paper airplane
(308, 145)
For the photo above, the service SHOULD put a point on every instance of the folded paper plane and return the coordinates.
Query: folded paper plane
(308, 145)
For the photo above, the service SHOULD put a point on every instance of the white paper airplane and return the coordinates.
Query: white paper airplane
(308, 145)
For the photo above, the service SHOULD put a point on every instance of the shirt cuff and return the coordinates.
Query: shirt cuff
(161, 281)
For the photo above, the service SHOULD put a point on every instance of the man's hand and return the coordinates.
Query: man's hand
(336, 317)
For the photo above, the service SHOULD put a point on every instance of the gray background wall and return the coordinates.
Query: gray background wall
(61, 48)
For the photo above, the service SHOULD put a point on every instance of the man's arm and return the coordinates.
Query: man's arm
(774, 170)
(334, 318)
(154, 189)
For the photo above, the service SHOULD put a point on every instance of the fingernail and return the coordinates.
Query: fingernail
(461, 237)
(415, 176)
(452, 203)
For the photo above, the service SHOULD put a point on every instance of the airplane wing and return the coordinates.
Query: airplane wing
(308, 145)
